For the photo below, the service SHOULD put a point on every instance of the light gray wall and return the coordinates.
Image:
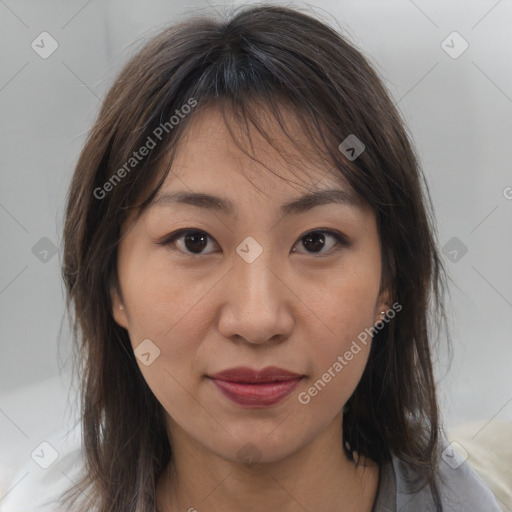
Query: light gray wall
(459, 111)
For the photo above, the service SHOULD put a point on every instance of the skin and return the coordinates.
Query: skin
(291, 308)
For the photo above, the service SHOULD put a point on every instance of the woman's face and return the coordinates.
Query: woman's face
(251, 289)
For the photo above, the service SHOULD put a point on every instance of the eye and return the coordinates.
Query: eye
(194, 241)
(315, 241)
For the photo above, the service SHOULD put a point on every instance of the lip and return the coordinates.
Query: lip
(256, 388)
(249, 375)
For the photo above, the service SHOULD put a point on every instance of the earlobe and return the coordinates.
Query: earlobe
(383, 305)
(119, 311)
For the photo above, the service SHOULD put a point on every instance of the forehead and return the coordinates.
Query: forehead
(226, 158)
(212, 133)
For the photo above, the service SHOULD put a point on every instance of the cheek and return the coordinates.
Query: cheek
(342, 302)
(160, 300)
(343, 308)
(165, 310)
(338, 362)
(162, 308)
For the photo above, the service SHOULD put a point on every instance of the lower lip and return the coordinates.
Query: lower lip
(256, 395)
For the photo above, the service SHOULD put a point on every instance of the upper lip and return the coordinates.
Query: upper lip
(245, 374)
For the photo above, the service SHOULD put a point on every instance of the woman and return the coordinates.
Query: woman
(251, 264)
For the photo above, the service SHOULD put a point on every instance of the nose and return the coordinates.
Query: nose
(257, 303)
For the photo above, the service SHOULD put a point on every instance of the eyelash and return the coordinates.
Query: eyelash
(340, 239)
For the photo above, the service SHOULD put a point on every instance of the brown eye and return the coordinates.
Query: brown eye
(192, 241)
(315, 241)
(195, 241)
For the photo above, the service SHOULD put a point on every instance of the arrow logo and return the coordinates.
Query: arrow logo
(44, 45)
(249, 454)
(44, 455)
(147, 352)
(454, 456)
(44, 250)
(454, 45)
(249, 249)
(454, 249)
(351, 147)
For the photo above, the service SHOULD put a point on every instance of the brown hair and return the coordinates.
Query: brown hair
(260, 56)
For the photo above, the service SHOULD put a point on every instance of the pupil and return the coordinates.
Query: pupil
(195, 236)
(317, 239)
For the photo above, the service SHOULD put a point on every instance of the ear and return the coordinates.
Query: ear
(384, 302)
(118, 309)
(385, 299)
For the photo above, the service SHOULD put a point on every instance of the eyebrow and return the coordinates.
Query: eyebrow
(226, 206)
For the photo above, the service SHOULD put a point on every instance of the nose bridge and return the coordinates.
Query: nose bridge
(255, 307)
(253, 273)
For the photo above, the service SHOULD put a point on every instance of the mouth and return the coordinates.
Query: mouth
(256, 388)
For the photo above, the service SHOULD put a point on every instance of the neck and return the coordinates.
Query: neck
(319, 476)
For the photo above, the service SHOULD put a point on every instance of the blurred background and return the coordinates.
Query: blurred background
(447, 66)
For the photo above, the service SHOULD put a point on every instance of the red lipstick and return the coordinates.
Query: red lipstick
(256, 388)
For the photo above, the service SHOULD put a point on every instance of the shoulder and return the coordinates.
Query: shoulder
(460, 487)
